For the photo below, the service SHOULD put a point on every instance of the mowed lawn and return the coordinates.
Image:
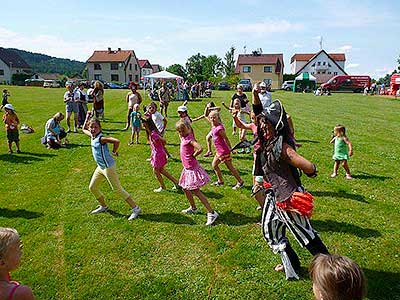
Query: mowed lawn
(70, 254)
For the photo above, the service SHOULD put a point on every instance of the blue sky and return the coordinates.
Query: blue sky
(167, 32)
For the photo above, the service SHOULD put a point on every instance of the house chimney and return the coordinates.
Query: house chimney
(119, 49)
(109, 49)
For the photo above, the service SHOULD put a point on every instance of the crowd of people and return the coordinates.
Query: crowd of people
(276, 167)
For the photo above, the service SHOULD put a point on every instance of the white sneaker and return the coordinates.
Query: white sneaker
(159, 190)
(190, 210)
(238, 186)
(211, 217)
(174, 188)
(99, 209)
(135, 212)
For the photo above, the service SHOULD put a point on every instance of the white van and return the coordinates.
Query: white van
(287, 85)
(51, 84)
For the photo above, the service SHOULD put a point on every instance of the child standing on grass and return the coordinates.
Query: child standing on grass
(136, 123)
(337, 277)
(106, 168)
(4, 100)
(10, 258)
(223, 149)
(343, 150)
(193, 176)
(11, 120)
(158, 157)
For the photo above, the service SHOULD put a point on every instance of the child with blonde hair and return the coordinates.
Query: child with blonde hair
(10, 258)
(136, 124)
(343, 150)
(337, 277)
(11, 120)
(193, 176)
(223, 149)
(106, 168)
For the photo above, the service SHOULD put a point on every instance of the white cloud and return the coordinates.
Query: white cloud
(297, 46)
(343, 49)
(352, 66)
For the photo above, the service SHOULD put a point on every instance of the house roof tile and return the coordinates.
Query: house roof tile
(12, 58)
(308, 56)
(144, 63)
(261, 59)
(110, 56)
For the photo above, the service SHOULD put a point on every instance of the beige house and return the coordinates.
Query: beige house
(113, 65)
(11, 63)
(261, 67)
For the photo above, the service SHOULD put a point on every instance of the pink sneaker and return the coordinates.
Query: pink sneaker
(348, 176)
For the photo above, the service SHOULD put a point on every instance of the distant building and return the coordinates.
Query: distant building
(11, 63)
(113, 65)
(321, 65)
(145, 68)
(46, 76)
(156, 68)
(261, 67)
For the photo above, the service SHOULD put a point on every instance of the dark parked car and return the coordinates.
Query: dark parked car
(224, 86)
(246, 83)
(112, 85)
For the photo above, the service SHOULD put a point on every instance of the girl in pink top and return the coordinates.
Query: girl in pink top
(223, 149)
(193, 176)
(158, 157)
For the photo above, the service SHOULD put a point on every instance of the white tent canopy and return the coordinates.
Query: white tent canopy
(304, 76)
(163, 75)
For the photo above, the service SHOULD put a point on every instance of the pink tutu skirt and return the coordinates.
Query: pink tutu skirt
(192, 179)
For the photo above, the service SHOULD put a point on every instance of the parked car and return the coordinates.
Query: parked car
(287, 85)
(246, 83)
(224, 86)
(51, 84)
(112, 85)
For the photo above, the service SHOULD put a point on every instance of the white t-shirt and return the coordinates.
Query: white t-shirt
(158, 121)
(132, 100)
(266, 99)
(74, 95)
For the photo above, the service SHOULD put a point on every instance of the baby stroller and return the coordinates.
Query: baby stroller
(154, 95)
(207, 93)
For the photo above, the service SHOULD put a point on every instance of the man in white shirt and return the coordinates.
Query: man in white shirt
(265, 95)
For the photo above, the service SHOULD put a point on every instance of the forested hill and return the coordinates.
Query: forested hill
(42, 63)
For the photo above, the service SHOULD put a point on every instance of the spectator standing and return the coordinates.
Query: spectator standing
(71, 99)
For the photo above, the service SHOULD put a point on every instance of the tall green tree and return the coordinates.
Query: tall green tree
(194, 67)
(178, 70)
(212, 66)
(229, 64)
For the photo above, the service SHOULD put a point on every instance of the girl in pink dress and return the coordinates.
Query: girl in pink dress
(193, 176)
(223, 149)
(158, 157)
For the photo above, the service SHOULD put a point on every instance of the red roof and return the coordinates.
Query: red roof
(144, 63)
(308, 56)
(261, 59)
(110, 55)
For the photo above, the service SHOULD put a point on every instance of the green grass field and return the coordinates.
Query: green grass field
(70, 254)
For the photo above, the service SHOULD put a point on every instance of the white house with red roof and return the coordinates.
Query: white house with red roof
(261, 67)
(321, 65)
(11, 63)
(145, 68)
(113, 65)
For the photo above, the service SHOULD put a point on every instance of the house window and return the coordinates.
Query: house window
(318, 72)
(130, 66)
(318, 63)
(313, 65)
(268, 81)
(312, 73)
(130, 76)
(329, 72)
(246, 69)
(114, 77)
(135, 67)
(97, 77)
(137, 78)
(114, 66)
(1, 72)
(329, 65)
(97, 66)
(267, 69)
(324, 63)
(334, 73)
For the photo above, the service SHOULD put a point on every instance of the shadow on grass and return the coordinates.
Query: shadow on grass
(382, 285)
(307, 141)
(336, 226)
(339, 194)
(364, 175)
(234, 219)
(168, 217)
(19, 213)
(72, 146)
(213, 195)
(243, 156)
(19, 158)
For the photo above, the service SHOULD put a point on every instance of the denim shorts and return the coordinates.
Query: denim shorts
(71, 107)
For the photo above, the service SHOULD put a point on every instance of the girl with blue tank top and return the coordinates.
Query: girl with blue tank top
(105, 167)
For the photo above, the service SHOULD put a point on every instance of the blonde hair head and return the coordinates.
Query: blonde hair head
(340, 129)
(98, 85)
(8, 236)
(215, 113)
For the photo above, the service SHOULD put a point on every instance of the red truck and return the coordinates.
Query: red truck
(355, 83)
